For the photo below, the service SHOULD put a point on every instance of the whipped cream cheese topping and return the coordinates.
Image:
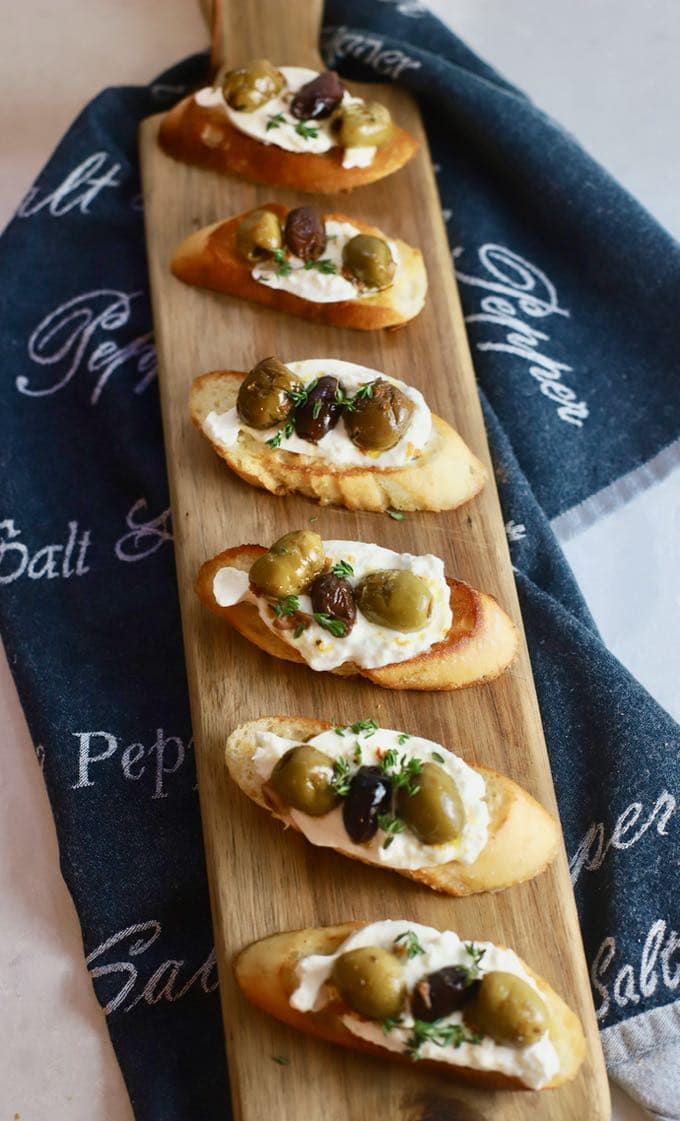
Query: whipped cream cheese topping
(273, 122)
(335, 447)
(534, 1065)
(405, 850)
(367, 645)
(313, 284)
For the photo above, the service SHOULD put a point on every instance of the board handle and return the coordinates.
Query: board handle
(285, 33)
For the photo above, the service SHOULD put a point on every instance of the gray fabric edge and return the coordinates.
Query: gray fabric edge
(617, 494)
(643, 1057)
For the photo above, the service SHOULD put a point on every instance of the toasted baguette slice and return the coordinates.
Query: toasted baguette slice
(206, 137)
(209, 259)
(522, 840)
(265, 971)
(446, 475)
(480, 645)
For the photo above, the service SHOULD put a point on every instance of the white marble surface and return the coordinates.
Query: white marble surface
(607, 70)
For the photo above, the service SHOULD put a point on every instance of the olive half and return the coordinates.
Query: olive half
(320, 412)
(394, 598)
(264, 396)
(369, 260)
(442, 992)
(369, 795)
(249, 87)
(303, 778)
(506, 1008)
(258, 235)
(364, 124)
(333, 596)
(289, 565)
(305, 233)
(318, 98)
(371, 981)
(377, 421)
(435, 813)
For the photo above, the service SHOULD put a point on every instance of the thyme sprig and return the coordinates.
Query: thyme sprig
(411, 943)
(337, 627)
(442, 1035)
(342, 568)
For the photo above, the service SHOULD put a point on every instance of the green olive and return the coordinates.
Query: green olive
(395, 599)
(302, 778)
(378, 422)
(264, 396)
(364, 124)
(249, 87)
(369, 260)
(290, 565)
(435, 813)
(508, 1009)
(371, 981)
(259, 235)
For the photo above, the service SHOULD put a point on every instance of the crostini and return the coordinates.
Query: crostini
(287, 126)
(325, 267)
(349, 607)
(394, 800)
(337, 432)
(400, 990)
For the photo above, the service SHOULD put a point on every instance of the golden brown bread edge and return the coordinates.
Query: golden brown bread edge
(480, 645)
(208, 258)
(444, 477)
(523, 837)
(265, 972)
(204, 136)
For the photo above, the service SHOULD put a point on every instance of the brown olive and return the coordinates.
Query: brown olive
(395, 599)
(318, 98)
(369, 795)
(320, 412)
(369, 261)
(305, 233)
(435, 813)
(371, 981)
(303, 778)
(377, 421)
(290, 564)
(333, 595)
(441, 993)
(506, 1008)
(249, 87)
(364, 124)
(264, 396)
(258, 235)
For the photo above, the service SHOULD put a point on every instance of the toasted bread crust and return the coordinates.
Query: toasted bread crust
(204, 136)
(523, 837)
(444, 477)
(480, 645)
(208, 258)
(265, 972)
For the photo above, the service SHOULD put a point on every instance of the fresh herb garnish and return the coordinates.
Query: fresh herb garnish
(284, 269)
(356, 754)
(337, 627)
(437, 757)
(342, 774)
(368, 726)
(390, 1023)
(324, 265)
(396, 515)
(349, 402)
(476, 955)
(340, 730)
(364, 391)
(389, 759)
(286, 606)
(316, 408)
(342, 568)
(281, 1060)
(287, 431)
(404, 736)
(390, 825)
(403, 772)
(313, 519)
(411, 943)
(301, 627)
(442, 1035)
(299, 396)
(275, 121)
(307, 132)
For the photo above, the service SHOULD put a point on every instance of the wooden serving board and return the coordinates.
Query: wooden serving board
(262, 879)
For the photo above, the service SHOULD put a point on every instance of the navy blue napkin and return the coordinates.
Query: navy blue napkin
(570, 293)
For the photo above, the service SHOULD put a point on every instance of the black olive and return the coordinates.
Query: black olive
(333, 595)
(318, 98)
(305, 233)
(370, 794)
(320, 412)
(441, 993)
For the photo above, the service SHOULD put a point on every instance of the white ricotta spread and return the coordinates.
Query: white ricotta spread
(313, 284)
(404, 850)
(534, 1065)
(367, 644)
(335, 447)
(284, 130)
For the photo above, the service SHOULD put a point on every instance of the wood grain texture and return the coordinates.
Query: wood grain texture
(262, 881)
